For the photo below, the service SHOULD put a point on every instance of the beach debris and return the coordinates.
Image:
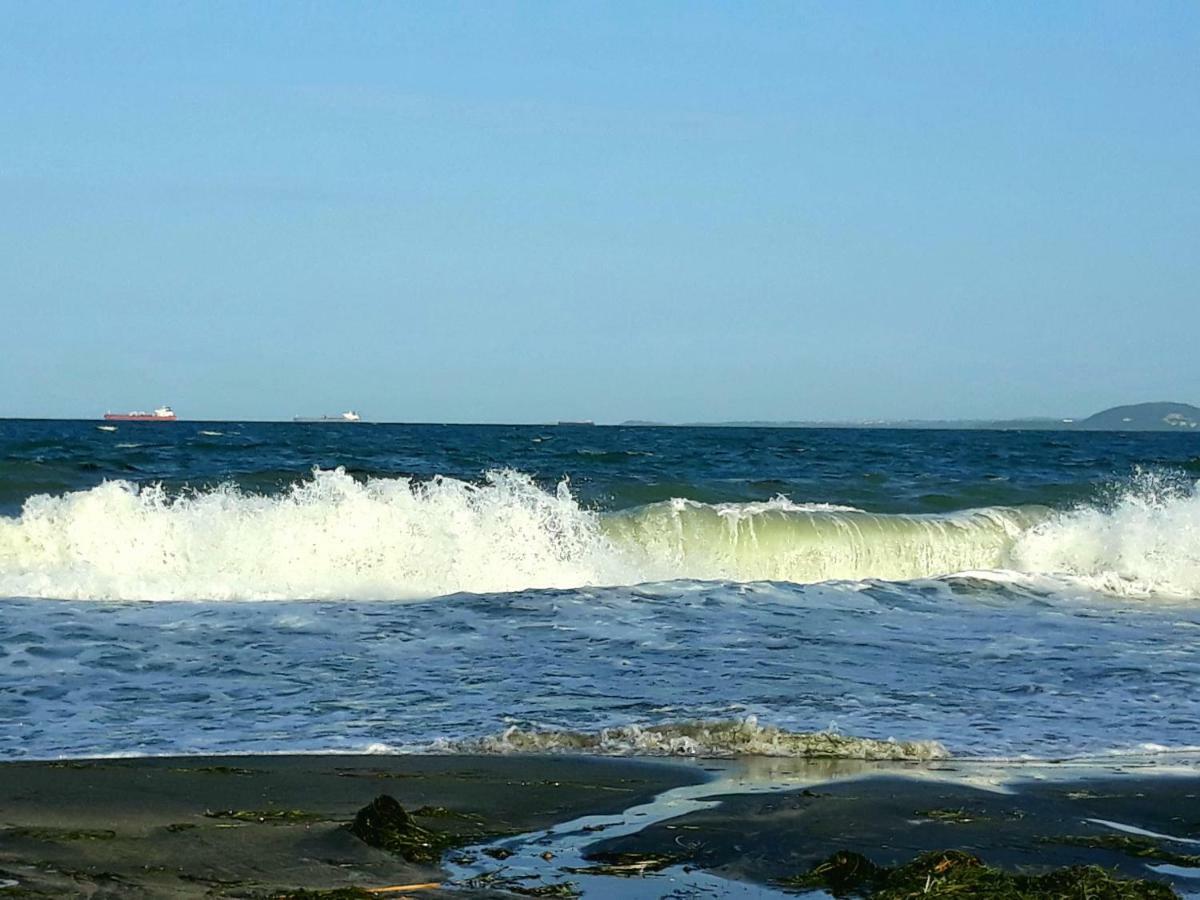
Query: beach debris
(217, 770)
(265, 815)
(440, 812)
(1130, 845)
(358, 893)
(841, 873)
(949, 816)
(59, 834)
(514, 884)
(374, 773)
(955, 873)
(385, 824)
(558, 889)
(626, 865)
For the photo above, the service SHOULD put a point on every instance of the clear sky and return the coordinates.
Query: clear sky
(523, 212)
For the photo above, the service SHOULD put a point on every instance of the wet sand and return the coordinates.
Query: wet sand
(269, 826)
(189, 827)
(890, 819)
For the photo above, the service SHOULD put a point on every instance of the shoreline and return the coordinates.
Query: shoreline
(268, 826)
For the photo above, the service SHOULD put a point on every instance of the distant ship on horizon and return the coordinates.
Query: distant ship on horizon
(348, 416)
(161, 414)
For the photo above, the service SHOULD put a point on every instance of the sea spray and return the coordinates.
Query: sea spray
(335, 537)
(328, 537)
(1144, 542)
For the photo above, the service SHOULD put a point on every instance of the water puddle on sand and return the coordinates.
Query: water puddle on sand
(556, 857)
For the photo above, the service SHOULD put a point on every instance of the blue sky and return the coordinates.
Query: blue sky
(524, 212)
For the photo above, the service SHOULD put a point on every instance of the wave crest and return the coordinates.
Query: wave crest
(334, 537)
(1146, 542)
(701, 738)
(329, 537)
(783, 541)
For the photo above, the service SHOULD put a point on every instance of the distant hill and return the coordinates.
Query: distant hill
(1144, 417)
(1135, 417)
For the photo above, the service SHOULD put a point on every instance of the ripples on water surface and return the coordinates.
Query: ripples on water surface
(561, 581)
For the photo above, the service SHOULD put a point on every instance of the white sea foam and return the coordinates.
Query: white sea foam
(330, 537)
(334, 537)
(1146, 543)
(718, 738)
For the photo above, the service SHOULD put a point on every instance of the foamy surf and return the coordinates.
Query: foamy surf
(335, 537)
(1145, 543)
(704, 738)
(330, 537)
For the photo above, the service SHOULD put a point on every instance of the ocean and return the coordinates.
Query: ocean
(900, 594)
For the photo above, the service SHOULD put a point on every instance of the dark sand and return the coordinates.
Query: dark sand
(138, 828)
(135, 828)
(890, 820)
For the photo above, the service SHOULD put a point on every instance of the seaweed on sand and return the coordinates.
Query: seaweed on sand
(954, 873)
(626, 865)
(1130, 845)
(217, 770)
(385, 824)
(58, 834)
(355, 893)
(265, 815)
(515, 884)
(949, 816)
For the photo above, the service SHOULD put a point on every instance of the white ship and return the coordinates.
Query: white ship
(162, 414)
(348, 416)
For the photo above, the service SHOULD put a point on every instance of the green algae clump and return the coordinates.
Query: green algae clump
(626, 865)
(59, 834)
(385, 824)
(1130, 845)
(265, 815)
(954, 873)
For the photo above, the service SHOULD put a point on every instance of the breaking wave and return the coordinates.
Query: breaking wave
(334, 537)
(1145, 542)
(720, 738)
(328, 537)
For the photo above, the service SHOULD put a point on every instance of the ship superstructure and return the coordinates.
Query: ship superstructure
(161, 414)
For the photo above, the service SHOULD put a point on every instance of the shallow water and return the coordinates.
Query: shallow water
(503, 588)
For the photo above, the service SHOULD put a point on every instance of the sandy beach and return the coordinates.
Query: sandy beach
(265, 826)
(276, 826)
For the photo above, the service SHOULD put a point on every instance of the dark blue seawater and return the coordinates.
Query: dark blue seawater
(193, 587)
(890, 471)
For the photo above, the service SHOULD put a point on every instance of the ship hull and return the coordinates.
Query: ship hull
(114, 417)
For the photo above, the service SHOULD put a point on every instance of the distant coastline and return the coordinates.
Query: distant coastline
(1163, 416)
